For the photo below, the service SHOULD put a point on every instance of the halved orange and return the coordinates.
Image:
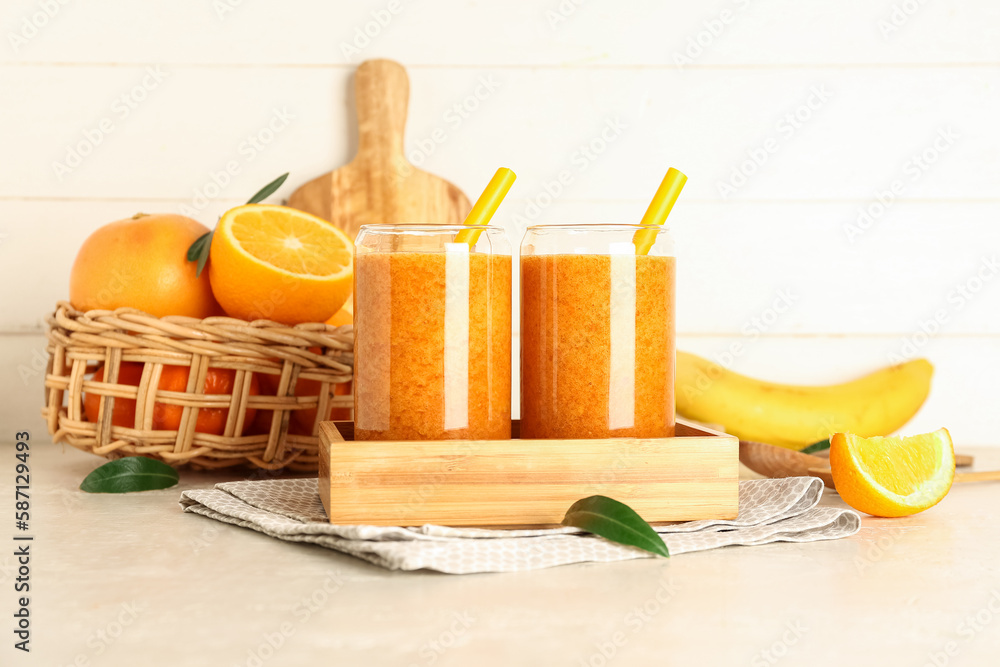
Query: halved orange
(892, 476)
(281, 264)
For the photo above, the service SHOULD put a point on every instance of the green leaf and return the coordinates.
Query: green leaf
(614, 521)
(195, 249)
(199, 251)
(817, 447)
(132, 473)
(268, 189)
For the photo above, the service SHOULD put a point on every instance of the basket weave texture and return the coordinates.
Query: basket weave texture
(79, 343)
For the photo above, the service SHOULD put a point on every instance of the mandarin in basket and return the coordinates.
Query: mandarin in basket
(168, 417)
(123, 412)
(141, 262)
(279, 263)
(301, 421)
(210, 420)
(304, 419)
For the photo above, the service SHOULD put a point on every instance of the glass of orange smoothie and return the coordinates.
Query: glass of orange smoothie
(597, 333)
(432, 333)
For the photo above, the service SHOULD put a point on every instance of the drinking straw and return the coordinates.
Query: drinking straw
(670, 188)
(486, 205)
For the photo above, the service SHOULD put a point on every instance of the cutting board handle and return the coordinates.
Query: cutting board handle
(382, 92)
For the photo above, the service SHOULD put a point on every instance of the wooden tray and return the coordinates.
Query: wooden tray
(524, 483)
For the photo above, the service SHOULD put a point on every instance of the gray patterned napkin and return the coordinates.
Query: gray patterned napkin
(770, 510)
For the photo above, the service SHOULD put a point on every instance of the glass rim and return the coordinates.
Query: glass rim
(385, 227)
(597, 227)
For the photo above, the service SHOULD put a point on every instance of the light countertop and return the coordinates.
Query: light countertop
(130, 580)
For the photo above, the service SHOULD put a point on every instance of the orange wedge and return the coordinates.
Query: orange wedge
(278, 263)
(892, 476)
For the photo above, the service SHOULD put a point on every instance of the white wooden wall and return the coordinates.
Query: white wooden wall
(827, 105)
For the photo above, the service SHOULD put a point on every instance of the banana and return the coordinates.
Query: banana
(796, 416)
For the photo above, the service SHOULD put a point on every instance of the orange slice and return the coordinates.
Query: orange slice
(278, 263)
(892, 476)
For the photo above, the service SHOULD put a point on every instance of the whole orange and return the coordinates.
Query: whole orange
(301, 421)
(123, 413)
(262, 421)
(304, 419)
(168, 417)
(210, 420)
(343, 316)
(141, 262)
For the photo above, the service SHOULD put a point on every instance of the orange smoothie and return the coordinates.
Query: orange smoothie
(432, 348)
(597, 346)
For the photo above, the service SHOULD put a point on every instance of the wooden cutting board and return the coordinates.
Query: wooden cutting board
(380, 185)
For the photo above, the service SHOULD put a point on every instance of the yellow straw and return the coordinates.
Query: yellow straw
(659, 209)
(486, 205)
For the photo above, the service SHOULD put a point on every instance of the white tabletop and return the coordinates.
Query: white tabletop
(129, 580)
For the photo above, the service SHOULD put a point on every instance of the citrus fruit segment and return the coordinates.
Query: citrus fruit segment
(892, 476)
(278, 263)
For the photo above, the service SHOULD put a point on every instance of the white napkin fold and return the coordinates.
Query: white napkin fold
(770, 510)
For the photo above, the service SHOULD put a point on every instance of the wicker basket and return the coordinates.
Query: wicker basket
(78, 343)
